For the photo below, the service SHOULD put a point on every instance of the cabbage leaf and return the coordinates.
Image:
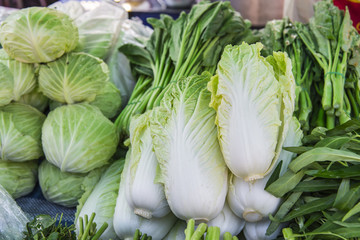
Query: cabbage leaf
(185, 141)
(254, 99)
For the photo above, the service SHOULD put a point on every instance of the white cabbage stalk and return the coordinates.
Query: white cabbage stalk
(227, 221)
(185, 141)
(102, 200)
(126, 221)
(254, 99)
(177, 232)
(250, 200)
(257, 230)
(143, 193)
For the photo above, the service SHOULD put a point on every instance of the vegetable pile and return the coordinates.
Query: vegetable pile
(199, 128)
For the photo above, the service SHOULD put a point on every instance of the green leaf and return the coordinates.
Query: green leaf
(282, 211)
(345, 172)
(311, 207)
(285, 183)
(316, 185)
(322, 154)
(352, 212)
(298, 150)
(347, 199)
(333, 142)
(348, 127)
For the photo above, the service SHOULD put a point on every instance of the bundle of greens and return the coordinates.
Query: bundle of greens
(178, 48)
(325, 56)
(321, 189)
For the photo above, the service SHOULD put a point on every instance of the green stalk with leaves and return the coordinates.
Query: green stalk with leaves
(179, 48)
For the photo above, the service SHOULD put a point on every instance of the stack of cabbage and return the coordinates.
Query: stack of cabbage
(205, 152)
(39, 65)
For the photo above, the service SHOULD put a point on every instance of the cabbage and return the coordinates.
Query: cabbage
(36, 99)
(6, 85)
(18, 178)
(185, 141)
(249, 200)
(177, 232)
(108, 100)
(20, 132)
(257, 230)
(254, 99)
(65, 188)
(23, 75)
(99, 28)
(73, 9)
(227, 221)
(126, 222)
(75, 77)
(102, 200)
(78, 138)
(142, 170)
(38, 34)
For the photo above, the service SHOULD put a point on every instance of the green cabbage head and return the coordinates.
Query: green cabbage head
(73, 78)
(18, 178)
(78, 138)
(23, 75)
(38, 35)
(20, 132)
(65, 188)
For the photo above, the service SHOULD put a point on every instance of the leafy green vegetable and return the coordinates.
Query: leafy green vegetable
(179, 48)
(18, 178)
(75, 77)
(78, 138)
(20, 132)
(23, 75)
(38, 34)
(322, 187)
(65, 188)
(263, 90)
(185, 142)
(102, 199)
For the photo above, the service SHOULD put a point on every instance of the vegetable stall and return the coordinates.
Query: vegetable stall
(198, 127)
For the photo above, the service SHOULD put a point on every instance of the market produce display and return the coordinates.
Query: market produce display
(197, 128)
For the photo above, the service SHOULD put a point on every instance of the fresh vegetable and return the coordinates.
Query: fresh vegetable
(23, 75)
(142, 172)
(177, 232)
(12, 219)
(254, 101)
(257, 230)
(78, 138)
(321, 187)
(75, 77)
(38, 34)
(185, 141)
(126, 222)
(35, 99)
(7, 85)
(47, 228)
(65, 188)
(102, 199)
(18, 178)
(227, 222)
(20, 132)
(179, 48)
